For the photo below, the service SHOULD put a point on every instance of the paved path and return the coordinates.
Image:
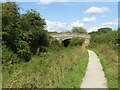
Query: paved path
(94, 77)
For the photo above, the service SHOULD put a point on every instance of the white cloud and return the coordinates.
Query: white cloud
(94, 28)
(97, 10)
(60, 26)
(55, 26)
(91, 19)
(51, 1)
(77, 23)
(114, 22)
(90, 29)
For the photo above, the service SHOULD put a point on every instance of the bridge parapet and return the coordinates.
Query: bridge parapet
(63, 36)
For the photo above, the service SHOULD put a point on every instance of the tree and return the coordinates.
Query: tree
(23, 34)
(79, 30)
(34, 26)
(10, 24)
(12, 33)
(104, 30)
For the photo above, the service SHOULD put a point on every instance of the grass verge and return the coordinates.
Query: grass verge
(109, 61)
(47, 70)
(74, 78)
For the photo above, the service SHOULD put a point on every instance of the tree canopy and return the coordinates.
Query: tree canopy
(104, 30)
(23, 34)
(79, 30)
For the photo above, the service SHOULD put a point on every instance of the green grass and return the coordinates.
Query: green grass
(109, 61)
(74, 78)
(49, 70)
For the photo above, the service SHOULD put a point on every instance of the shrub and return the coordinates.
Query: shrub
(109, 38)
(77, 41)
(23, 50)
(54, 44)
(39, 39)
(8, 57)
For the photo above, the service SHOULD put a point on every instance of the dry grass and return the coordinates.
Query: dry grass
(45, 71)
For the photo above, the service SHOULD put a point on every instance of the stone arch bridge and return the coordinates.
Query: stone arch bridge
(64, 36)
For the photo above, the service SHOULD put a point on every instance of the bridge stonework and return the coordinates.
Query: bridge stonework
(63, 36)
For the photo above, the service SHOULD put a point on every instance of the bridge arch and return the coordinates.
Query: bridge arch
(66, 42)
(65, 37)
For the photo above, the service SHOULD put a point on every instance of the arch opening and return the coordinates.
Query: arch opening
(66, 42)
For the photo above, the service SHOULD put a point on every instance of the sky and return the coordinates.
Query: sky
(62, 15)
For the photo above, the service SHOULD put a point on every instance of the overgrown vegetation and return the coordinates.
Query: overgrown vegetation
(33, 59)
(73, 79)
(64, 69)
(23, 34)
(77, 41)
(105, 43)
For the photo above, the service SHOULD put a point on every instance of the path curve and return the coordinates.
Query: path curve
(94, 77)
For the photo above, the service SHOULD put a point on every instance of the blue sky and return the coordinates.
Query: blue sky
(63, 15)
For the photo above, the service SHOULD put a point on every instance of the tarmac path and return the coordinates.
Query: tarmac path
(94, 77)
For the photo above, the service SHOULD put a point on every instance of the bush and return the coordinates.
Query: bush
(8, 57)
(109, 37)
(23, 50)
(77, 41)
(54, 44)
(39, 39)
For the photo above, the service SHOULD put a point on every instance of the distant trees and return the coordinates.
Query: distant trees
(79, 30)
(24, 34)
(105, 35)
(104, 30)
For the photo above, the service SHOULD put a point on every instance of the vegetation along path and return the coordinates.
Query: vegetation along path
(94, 77)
